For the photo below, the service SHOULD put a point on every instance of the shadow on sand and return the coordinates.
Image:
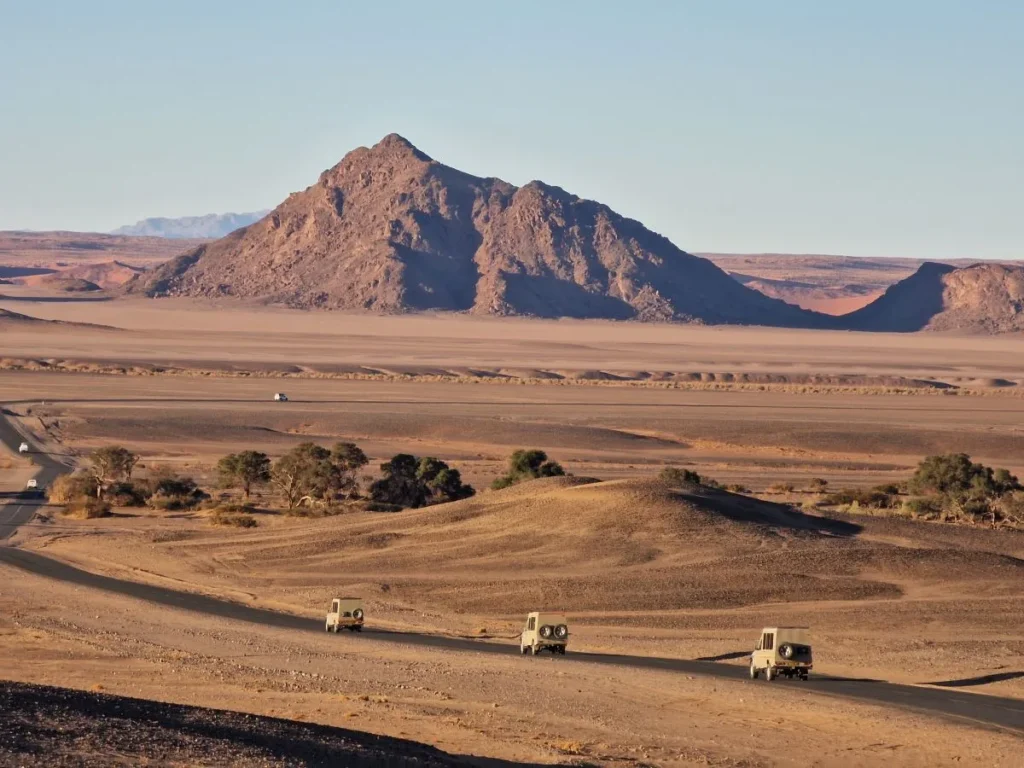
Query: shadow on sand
(746, 509)
(967, 682)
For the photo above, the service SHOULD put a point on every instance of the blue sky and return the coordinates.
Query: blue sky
(869, 128)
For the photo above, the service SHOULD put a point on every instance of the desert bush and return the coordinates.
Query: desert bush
(676, 477)
(233, 507)
(409, 481)
(893, 489)
(171, 493)
(527, 465)
(955, 476)
(87, 508)
(1011, 508)
(876, 498)
(220, 517)
(817, 485)
(781, 488)
(127, 494)
(66, 488)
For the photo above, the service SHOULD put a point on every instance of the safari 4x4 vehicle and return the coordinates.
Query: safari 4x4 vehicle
(544, 631)
(345, 613)
(782, 651)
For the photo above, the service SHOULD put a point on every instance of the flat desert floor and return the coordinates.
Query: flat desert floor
(641, 569)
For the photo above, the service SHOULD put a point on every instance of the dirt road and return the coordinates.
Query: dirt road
(1003, 713)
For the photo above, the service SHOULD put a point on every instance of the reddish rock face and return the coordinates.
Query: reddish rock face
(983, 298)
(388, 229)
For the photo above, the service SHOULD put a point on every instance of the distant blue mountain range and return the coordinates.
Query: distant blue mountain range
(211, 226)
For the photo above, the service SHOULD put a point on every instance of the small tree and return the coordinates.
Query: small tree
(111, 464)
(399, 484)
(411, 482)
(442, 483)
(244, 470)
(348, 459)
(302, 473)
(527, 465)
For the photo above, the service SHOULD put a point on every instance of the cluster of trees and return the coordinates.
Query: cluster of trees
(108, 480)
(527, 465)
(310, 475)
(307, 476)
(408, 481)
(948, 487)
(966, 490)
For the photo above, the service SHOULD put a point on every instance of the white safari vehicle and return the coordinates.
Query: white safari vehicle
(32, 484)
(23, 448)
(280, 397)
(544, 632)
(782, 651)
(346, 613)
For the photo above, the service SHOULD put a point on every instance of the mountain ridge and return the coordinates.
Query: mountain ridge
(388, 229)
(211, 225)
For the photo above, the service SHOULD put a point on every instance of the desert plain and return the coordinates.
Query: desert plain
(641, 569)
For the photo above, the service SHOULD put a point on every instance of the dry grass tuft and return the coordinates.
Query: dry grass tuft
(234, 520)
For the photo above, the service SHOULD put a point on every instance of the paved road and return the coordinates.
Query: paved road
(992, 711)
(22, 508)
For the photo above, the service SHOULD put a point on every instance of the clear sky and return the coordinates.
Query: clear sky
(867, 127)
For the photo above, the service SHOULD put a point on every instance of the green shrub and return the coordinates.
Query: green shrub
(527, 465)
(127, 494)
(172, 493)
(955, 476)
(676, 477)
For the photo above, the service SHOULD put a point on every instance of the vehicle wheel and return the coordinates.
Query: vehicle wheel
(753, 671)
(804, 676)
(769, 674)
(562, 650)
